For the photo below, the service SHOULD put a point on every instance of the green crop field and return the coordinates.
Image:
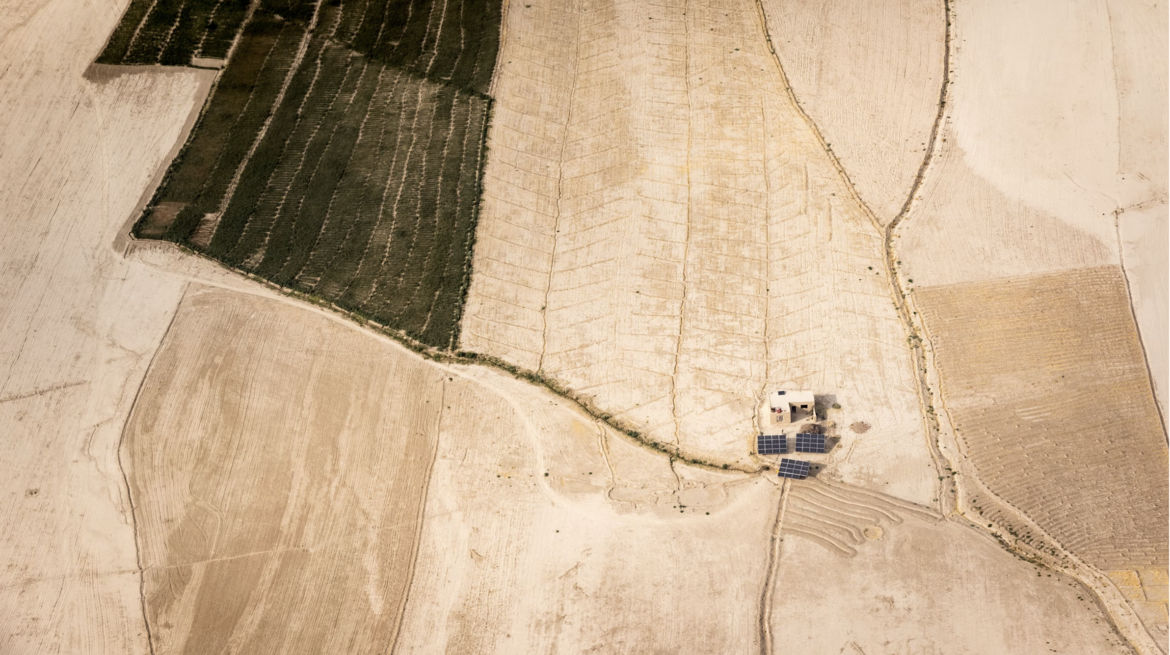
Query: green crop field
(171, 32)
(340, 155)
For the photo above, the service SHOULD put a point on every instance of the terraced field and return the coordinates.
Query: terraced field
(340, 156)
(663, 234)
(1045, 382)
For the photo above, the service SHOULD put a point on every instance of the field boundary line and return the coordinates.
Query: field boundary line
(1133, 310)
(552, 258)
(491, 90)
(432, 353)
(420, 518)
(765, 621)
(126, 478)
(682, 305)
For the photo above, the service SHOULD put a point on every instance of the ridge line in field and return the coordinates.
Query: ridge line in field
(421, 520)
(816, 131)
(552, 260)
(766, 595)
(682, 306)
(947, 489)
(762, 393)
(126, 478)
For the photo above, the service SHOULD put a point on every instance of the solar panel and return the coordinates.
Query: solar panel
(771, 444)
(793, 468)
(807, 442)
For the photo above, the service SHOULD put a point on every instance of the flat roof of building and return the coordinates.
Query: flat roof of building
(776, 398)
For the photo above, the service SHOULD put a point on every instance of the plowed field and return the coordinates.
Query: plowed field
(1045, 381)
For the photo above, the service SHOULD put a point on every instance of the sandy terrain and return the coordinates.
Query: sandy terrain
(77, 326)
(662, 234)
(278, 462)
(1143, 234)
(1052, 162)
(1028, 176)
(868, 74)
(497, 517)
(1049, 394)
(917, 585)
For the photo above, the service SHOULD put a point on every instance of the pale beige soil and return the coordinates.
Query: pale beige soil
(77, 325)
(595, 557)
(1056, 120)
(1052, 160)
(278, 462)
(868, 74)
(662, 234)
(919, 585)
(243, 507)
(280, 476)
(1143, 234)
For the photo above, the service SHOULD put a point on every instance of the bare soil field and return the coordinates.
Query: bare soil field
(1048, 391)
(912, 583)
(546, 532)
(868, 74)
(1143, 234)
(1021, 252)
(1030, 178)
(662, 233)
(77, 324)
(278, 463)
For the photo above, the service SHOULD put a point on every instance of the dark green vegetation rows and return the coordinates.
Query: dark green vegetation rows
(340, 155)
(171, 32)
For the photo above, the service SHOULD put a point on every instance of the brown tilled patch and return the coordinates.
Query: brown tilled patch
(278, 463)
(1045, 380)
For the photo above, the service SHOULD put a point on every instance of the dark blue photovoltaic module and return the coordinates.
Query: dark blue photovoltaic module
(793, 468)
(771, 444)
(807, 442)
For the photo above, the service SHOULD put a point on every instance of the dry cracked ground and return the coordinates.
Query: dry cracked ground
(947, 220)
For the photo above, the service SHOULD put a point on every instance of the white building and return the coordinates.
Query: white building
(791, 406)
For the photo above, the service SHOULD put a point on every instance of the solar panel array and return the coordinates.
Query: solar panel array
(771, 444)
(807, 442)
(793, 468)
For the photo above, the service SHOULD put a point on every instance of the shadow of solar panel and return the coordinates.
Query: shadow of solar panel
(771, 444)
(793, 468)
(810, 443)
